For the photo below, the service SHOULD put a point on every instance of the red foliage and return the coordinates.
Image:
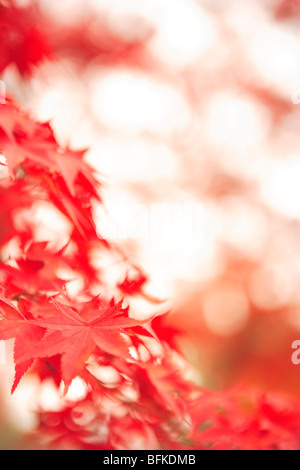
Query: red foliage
(66, 335)
(28, 38)
(246, 419)
(22, 42)
(59, 336)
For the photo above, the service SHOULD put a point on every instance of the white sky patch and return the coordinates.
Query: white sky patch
(22, 404)
(280, 186)
(183, 30)
(49, 398)
(235, 121)
(243, 226)
(275, 53)
(77, 390)
(133, 102)
(134, 160)
(184, 33)
(61, 102)
(50, 224)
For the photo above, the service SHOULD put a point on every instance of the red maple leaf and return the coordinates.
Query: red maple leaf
(23, 41)
(74, 336)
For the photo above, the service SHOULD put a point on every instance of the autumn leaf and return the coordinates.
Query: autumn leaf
(12, 326)
(69, 334)
(23, 41)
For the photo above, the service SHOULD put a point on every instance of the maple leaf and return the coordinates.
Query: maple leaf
(70, 163)
(22, 42)
(13, 198)
(13, 117)
(75, 337)
(29, 277)
(133, 285)
(13, 326)
(24, 139)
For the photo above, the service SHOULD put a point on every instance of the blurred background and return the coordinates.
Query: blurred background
(191, 112)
